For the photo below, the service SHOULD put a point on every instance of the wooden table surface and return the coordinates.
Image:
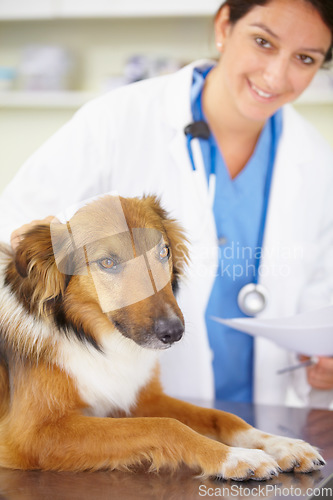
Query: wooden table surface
(315, 426)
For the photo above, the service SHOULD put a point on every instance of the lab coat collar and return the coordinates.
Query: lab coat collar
(177, 105)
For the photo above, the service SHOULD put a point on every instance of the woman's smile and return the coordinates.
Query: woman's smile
(261, 95)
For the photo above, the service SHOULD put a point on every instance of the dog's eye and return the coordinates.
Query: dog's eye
(164, 252)
(107, 264)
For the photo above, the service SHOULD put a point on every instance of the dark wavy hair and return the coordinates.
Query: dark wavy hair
(239, 8)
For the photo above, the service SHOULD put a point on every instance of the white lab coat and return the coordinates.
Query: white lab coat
(132, 141)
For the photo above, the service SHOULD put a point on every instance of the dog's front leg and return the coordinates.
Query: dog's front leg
(290, 454)
(76, 443)
(216, 424)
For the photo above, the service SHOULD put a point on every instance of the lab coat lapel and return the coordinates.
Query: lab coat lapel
(283, 240)
(281, 262)
(197, 216)
(196, 209)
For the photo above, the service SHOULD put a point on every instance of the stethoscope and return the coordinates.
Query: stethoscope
(252, 297)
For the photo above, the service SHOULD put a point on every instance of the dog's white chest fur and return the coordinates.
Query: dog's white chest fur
(108, 380)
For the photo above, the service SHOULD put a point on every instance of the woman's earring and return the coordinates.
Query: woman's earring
(219, 45)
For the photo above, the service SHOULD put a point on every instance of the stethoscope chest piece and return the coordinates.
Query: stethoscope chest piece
(252, 299)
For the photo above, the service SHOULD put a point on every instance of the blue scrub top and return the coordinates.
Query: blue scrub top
(238, 207)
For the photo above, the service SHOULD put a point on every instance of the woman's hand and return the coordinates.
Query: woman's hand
(320, 375)
(18, 234)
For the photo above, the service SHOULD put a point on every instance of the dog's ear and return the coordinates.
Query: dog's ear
(35, 262)
(34, 248)
(176, 236)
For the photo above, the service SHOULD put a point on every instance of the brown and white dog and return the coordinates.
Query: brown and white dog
(80, 334)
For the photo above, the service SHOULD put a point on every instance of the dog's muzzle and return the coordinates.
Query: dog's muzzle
(169, 330)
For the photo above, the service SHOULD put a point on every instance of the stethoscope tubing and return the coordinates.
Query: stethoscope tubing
(251, 292)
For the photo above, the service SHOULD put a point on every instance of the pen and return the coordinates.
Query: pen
(312, 361)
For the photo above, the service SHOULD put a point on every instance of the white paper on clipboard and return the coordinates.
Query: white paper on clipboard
(310, 333)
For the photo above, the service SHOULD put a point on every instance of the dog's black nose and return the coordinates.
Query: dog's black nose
(169, 330)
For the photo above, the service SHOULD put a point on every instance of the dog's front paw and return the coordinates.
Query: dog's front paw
(293, 454)
(241, 464)
(290, 454)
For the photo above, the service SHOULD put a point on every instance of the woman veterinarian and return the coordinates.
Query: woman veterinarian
(248, 178)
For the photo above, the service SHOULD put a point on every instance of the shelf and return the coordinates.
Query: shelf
(64, 100)
(71, 9)
(75, 99)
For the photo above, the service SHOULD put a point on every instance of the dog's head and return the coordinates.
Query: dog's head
(116, 263)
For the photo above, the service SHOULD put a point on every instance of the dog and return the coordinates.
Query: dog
(86, 307)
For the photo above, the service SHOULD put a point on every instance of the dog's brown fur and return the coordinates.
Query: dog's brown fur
(46, 420)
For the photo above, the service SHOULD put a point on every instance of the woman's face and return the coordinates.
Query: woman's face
(270, 55)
